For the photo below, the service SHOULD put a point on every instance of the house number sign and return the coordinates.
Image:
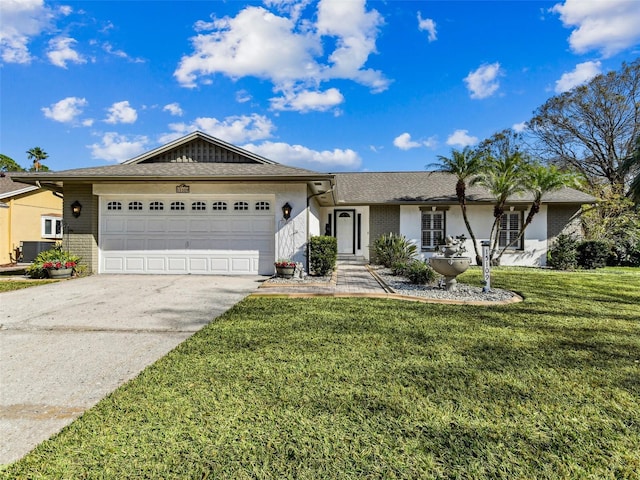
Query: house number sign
(182, 188)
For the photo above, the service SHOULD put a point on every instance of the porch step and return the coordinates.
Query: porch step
(352, 259)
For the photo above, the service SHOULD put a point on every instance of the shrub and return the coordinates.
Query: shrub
(392, 248)
(420, 273)
(563, 254)
(593, 254)
(400, 268)
(55, 257)
(323, 254)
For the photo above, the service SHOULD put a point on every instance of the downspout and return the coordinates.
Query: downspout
(333, 186)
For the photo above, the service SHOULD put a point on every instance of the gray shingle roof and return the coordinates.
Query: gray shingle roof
(425, 187)
(177, 171)
(9, 188)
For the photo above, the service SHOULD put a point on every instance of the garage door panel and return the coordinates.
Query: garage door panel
(184, 241)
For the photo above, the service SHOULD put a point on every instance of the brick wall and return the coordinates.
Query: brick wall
(81, 238)
(382, 219)
(562, 219)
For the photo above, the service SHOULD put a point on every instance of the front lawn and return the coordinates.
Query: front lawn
(368, 388)
(9, 285)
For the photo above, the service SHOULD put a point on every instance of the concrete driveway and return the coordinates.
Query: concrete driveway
(64, 346)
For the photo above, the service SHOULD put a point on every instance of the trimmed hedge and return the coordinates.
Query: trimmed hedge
(323, 254)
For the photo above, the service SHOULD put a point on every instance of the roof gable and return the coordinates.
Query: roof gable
(198, 147)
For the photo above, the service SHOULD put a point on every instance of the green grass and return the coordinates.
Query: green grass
(9, 285)
(364, 388)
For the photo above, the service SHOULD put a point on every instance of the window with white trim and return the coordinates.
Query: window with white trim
(177, 206)
(219, 206)
(155, 206)
(135, 205)
(51, 227)
(198, 206)
(433, 227)
(263, 206)
(114, 206)
(241, 206)
(510, 225)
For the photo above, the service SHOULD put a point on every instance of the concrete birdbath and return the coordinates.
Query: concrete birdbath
(451, 263)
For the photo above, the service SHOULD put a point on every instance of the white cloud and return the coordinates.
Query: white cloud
(61, 51)
(427, 25)
(66, 110)
(121, 112)
(174, 109)
(297, 155)
(242, 96)
(606, 26)
(118, 148)
(519, 127)
(235, 129)
(461, 138)
(107, 47)
(288, 52)
(21, 21)
(307, 100)
(483, 82)
(581, 74)
(404, 142)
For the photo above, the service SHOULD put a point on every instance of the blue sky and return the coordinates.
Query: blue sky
(329, 85)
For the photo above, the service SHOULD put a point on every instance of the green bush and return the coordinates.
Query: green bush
(323, 254)
(563, 254)
(593, 254)
(55, 255)
(420, 273)
(400, 268)
(392, 248)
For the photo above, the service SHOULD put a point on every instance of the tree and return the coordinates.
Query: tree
(593, 128)
(8, 164)
(464, 165)
(502, 174)
(37, 154)
(540, 180)
(631, 166)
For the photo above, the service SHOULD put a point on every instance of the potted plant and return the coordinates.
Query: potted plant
(53, 263)
(285, 268)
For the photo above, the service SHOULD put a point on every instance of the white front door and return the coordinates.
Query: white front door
(345, 227)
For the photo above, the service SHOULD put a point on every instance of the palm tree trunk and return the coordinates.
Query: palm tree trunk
(463, 207)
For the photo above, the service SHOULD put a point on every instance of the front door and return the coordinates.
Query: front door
(345, 227)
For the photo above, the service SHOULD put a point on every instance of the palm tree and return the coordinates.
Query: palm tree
(37, 154)
(540, 180)
(503, 178)
(464, 165)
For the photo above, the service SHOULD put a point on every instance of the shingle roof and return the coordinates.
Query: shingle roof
(177, 171)
(9, 188)
(425, 187)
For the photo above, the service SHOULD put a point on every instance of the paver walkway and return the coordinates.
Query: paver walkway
(353, 279)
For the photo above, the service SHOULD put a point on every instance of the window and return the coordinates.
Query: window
(241, 206)
(198, 206)
(156, 206)
(114, 206)
(219, 206)
(510, 225)
(263, 206)
(432, 229)
(135, 205)
(51, 227)
(177, 206)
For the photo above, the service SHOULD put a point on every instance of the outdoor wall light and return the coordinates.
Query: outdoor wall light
(286, 211)
(76, 208)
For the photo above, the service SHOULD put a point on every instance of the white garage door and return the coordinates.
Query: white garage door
(169, 235)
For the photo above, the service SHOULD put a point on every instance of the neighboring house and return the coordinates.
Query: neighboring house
(200, 205)
(27, 214)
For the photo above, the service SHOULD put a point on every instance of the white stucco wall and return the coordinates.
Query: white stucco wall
(481, 220)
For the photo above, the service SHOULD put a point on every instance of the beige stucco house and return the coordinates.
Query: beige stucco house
(27, 214)
(199, 205)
